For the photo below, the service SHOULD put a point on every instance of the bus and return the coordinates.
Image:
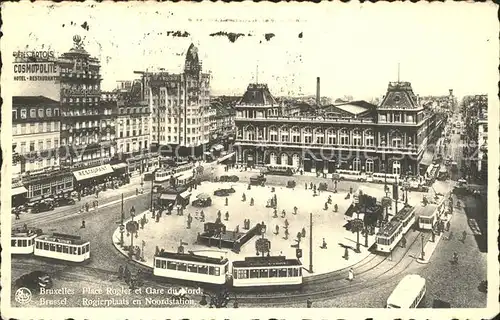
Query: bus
(350, 175)
(279, 170)
(408, 293)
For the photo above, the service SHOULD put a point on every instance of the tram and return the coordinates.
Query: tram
(191, 267)
(428, 218)
(22, 240)
(62, 247)
(390, 234)
(381, 177)
(351, 175)
(274, 271)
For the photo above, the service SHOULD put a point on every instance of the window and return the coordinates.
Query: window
(332, 136)
(242, 274)
(56, 112)
(32, 113)
(14, 114)
(369, 165)
(48, 112)
(23, 114)
(171, 265)
(32, 146)
(40, 113)
(203, 269)
(396, 167)
(369, 138)
(254, 273)
(344, 137)
(397, 117)
(264, 273)
(192, 268)
(273, 134)
(49, 143)
(356, 164)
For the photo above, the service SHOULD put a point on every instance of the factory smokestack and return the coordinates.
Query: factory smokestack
(318, 94)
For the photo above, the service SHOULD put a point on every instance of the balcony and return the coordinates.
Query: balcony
(352, 148)
(305, 119)
(80, 75)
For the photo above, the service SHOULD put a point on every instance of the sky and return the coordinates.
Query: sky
(354, 48)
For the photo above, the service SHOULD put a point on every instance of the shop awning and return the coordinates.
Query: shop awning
(93, 172)
(18, 190)
(168, 196)
(185, 194)
(227, 156)
(427, 158)
(120, 165)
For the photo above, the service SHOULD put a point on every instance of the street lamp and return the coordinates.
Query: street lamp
(132, 214)
(122, 226)
(423, 253)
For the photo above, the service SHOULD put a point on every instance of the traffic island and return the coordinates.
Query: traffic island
(429, 248)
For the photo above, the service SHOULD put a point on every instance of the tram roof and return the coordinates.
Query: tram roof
(389, 228)
(404, 213)
(21, 233)
(62, 238)
(190, 257)
(266, 262)
(426, 211)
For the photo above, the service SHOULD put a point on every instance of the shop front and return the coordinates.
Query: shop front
(47, 184)
(88, 181)
(18, 193)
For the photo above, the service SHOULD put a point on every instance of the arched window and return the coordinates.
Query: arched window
(295, 135)
(285, 134)
(369, 165)
(331, 136)
(396, 167)
(356, 137)
(319, 136)
(273, 134)
(369, 138)
(307, 135)
(344, 137)
(284, 159)
(296, 160)
(260, 133)
(396, 139)
(250, 133)
(356, 164)
(272, 158)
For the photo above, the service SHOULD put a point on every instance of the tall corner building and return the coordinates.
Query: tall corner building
(179, 104)
(391, 137)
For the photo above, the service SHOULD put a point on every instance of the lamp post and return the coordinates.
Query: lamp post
(310, 243)
(132, 214)
(152, 187)
(122, 226)
(422, 253)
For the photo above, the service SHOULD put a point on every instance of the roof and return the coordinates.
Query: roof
(389, 228)
(356, 107)
(400, 96)
(191, 257)
(406, 290)
(62, 238)
(404, 213)
(426, 211)
(258, 94)
(34, 100)
(266, 262)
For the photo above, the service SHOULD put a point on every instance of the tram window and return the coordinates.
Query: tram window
(192, 268)
(163, 264)
(84, 249)
(59, 248)
(290, 272)
(254, 273)
(157, 263)
(29, 242)
(282, 273)
(79, 251)
(52, 247)
(226, 268)
(24, 243)
(264, 273)
(300, 272)
(211, 271)
(295, 272)
(203, 269)
(242, 274)
(171, 265)
(88, 247)
(73, 249)
(217, 271)
(13, 243)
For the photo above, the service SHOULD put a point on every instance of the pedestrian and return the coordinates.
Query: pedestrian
(403, 242)
(303, 232)
(120, 272)
(17, 215)
(448, 225)
(335, 208)
(309, 303)
(275, 213)
(346, 253)
(286, 234)
(464, 235)
(311, 186)
(277, 229)
(243, 197)
(306, 185)
(251, 201)
(83, 224)
(295, 210)
(351, 274)
(326, 206)
(323, 246)
(227, 216)
(283, 213)
(286, 223)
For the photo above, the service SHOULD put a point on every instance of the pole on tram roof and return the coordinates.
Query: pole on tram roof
(310, 242)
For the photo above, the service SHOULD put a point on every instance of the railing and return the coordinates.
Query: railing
(308, 119)
(337, 146)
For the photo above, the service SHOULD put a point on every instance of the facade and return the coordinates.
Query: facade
(132, 129)
(222, 126)
(360, 136)
(36, 122)
(475, 115)
(180, 107)
(87, 129)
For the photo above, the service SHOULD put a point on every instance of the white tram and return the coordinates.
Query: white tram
(351, 175)
(267, 271)
(428, 218)
(380, 177)
(191, 267)
(391, 233)
(22, 240)
(62, 247)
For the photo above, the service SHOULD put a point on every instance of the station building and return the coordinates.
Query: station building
(391, 137)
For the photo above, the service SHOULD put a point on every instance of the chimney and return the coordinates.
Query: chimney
(318, 95)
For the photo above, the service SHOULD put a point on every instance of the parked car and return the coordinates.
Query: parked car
(34, 281)
(223, 192)
(202, 203)
(258, 180)
(64, 202)
(42, 207)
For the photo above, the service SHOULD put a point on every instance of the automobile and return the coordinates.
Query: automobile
(64, 202)
(258, 180)
(232, 178)
(42, 207)
(202, 202)
(158, 189)
(35, 280)
(221, 192)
